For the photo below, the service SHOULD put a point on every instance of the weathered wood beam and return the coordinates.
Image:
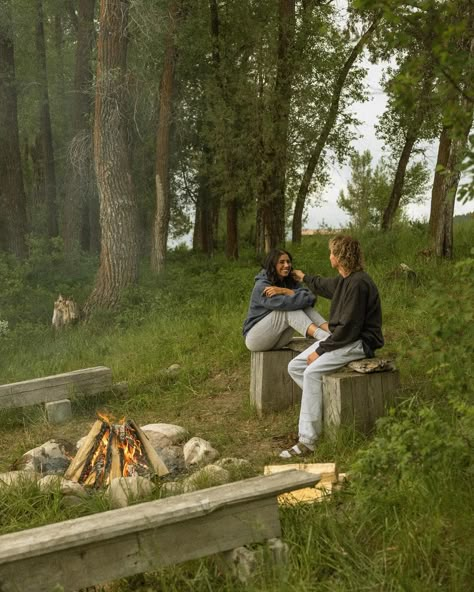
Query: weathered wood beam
(118, 543)
(88, 381)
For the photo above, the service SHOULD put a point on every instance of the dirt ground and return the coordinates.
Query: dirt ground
(219, 412)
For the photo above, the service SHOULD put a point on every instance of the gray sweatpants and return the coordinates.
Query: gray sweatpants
(277, 328)
(309, 379)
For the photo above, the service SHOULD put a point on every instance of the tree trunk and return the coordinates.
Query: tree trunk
(162, 216)
(439, 179)
(274, 181)
(450, 155)
(204, 219)
(118, 210)
(397, 189)
(232, 239)
(12, 194)
(323, 136)
(451, 152)
(45, 126)
(81, 179)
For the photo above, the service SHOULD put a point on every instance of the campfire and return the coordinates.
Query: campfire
(113, 450)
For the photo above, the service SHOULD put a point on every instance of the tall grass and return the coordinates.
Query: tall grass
(404, 522)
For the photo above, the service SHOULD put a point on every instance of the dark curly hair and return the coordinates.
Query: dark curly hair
(348, 252)
(269, 264)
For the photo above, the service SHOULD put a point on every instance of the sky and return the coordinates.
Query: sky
(329, 213)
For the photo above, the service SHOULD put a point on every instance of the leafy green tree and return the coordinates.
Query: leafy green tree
(446, 28)
(369, 189)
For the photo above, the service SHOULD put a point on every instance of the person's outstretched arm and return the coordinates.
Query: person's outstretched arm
(318, 285)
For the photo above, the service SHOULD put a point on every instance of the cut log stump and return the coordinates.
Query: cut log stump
(356, 400)
(350, 398)
(271, 388)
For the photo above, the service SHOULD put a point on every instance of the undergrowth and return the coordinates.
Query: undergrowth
(403, 522)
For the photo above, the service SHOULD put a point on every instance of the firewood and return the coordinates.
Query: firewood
(328, 478)
(75, 468)
(156, 462)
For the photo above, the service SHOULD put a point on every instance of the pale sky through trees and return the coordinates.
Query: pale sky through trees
(368, 113)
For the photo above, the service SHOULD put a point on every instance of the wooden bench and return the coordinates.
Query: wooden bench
(95, 549)
(350, 398)
(57, 388)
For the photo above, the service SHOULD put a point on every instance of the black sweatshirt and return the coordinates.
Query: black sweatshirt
(356, 312)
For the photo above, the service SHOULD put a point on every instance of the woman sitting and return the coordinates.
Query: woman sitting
(279, 306)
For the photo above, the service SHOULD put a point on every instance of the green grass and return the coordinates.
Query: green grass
(404, 523)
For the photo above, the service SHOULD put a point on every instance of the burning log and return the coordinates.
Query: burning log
(113, 450)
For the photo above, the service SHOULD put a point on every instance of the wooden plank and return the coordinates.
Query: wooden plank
(99, 548)
(53, 388)
(326, 472)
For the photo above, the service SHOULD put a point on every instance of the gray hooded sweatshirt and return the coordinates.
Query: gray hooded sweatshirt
(261, 306)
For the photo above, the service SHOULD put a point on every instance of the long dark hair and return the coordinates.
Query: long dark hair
(269, 264)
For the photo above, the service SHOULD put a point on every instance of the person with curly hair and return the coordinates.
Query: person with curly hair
(279, 306)
(355, 325)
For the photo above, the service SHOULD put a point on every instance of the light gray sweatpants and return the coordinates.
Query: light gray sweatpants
(309, 379)
(277, 328)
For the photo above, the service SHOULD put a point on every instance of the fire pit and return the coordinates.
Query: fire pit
(112, 450)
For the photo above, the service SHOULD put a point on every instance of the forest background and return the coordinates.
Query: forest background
(125, 123)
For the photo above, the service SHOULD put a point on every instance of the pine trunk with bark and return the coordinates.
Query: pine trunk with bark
(118, 209)
(12, 194)
(272, 198)
(46, 133)
(329, 122)
(81, 185)
(162, 215)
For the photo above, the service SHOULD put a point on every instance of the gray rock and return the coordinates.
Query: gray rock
(71, 501)
(230, 462)
(242, 563)
(162, 435)
(124, 490)
(173, 369)
(173, 458)
(199, 451)
(65, 486)
(17, 478)
(52, 458)
(208, 476)
(278, 550)
(58, 411)
(172, 487)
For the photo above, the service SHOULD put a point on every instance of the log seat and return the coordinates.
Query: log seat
(351, 398)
